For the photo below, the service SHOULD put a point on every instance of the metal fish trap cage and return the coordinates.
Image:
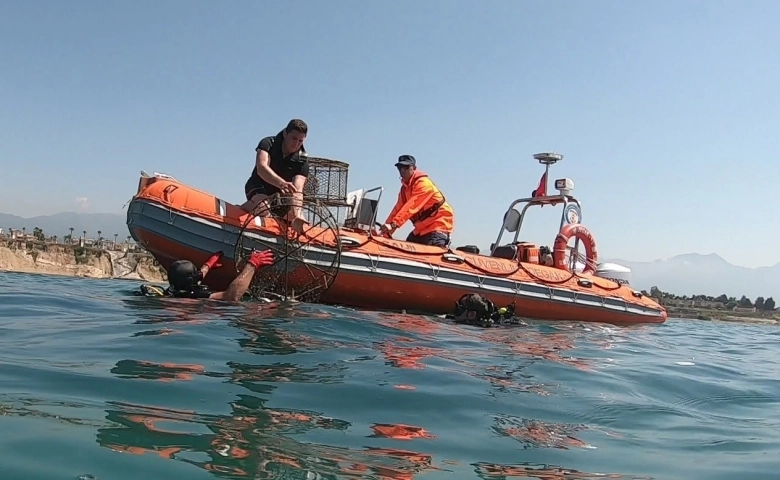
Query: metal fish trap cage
(327, 185)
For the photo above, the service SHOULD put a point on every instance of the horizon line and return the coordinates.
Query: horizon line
(606, 260)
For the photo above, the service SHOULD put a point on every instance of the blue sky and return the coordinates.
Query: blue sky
(666, 112)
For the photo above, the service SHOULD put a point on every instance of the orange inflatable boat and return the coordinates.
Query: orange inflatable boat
(356, 267)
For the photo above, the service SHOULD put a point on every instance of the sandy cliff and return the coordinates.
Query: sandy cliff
(82, 262)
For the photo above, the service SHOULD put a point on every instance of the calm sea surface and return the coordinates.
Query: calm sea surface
(97, 383)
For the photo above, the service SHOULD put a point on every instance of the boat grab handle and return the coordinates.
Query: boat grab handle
(167, 192)
(451, 257)
(584, 282)
(348, 241)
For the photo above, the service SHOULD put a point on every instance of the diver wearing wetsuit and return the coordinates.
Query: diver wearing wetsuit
(184, 278)
(475, 309)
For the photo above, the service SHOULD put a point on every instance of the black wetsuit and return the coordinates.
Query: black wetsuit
(491, 318)
(200, 291)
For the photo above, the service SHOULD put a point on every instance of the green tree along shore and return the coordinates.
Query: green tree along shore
(20, 236)
(722, 307)
(720, 302)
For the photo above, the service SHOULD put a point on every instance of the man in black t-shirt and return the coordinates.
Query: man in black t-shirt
(281, 166)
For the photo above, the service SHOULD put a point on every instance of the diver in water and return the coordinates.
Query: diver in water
(475, 309)
(184, 278)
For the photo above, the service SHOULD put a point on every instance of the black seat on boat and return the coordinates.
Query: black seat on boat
(506, 251)
(469, 249)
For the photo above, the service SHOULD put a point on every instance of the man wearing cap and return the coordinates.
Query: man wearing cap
(423, 203)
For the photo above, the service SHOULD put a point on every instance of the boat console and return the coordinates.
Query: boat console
(513, 218)
(362, 210)
(571, 215)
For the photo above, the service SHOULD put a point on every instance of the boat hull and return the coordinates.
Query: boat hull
(174, 221)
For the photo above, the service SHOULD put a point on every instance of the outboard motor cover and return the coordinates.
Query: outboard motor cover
(614, 272)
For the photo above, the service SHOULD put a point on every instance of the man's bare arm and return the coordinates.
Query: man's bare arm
(241, 283)
(238, 286)
(263, 167)
(299, 181)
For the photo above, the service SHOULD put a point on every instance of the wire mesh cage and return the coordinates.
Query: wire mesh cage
(327, 185)
(327, 181)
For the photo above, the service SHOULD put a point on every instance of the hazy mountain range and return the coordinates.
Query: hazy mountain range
(697, 274)
(688, 274)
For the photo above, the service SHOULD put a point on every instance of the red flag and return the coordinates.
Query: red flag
(541, 190)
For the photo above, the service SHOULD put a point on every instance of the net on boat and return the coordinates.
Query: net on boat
(306, 262)
(327, 185)
(327, 180)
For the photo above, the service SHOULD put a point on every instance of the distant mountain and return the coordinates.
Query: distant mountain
(59, 224)
(697, 274)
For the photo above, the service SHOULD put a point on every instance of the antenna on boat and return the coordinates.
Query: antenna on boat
(547, 159)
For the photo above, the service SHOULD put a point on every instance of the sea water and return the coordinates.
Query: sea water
(99, 383)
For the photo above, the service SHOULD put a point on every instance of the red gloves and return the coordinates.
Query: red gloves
(213, 261)
(261, 259)
(258, 259)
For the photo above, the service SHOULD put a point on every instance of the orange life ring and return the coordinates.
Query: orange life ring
(562, 239)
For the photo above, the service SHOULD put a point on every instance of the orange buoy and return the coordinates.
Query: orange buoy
(583, 234)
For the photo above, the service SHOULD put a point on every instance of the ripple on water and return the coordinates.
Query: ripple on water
(96, 381)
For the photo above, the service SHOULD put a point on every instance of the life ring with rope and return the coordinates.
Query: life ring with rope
(576, 230)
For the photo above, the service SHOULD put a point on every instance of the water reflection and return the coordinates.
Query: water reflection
(258, 321)
(538, 434)
(511, 379)
(406, 356)
(248, 376)
(256, 442)
(264, 337)
(252, 441)
(155, 310)
(524, 341)
(495, 471)
(408, 323)
(533, 344)
(516, 347)
(398, 431)
(165, 372)
(33, 407)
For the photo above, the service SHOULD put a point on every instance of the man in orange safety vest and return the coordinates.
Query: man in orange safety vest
(422, 203)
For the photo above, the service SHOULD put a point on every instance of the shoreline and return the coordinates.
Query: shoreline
(704, 315)
(68, 274)
(73, 261)
(768, 318)
(41, 258)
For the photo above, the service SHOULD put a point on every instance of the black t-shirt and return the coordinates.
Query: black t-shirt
(286, 167)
